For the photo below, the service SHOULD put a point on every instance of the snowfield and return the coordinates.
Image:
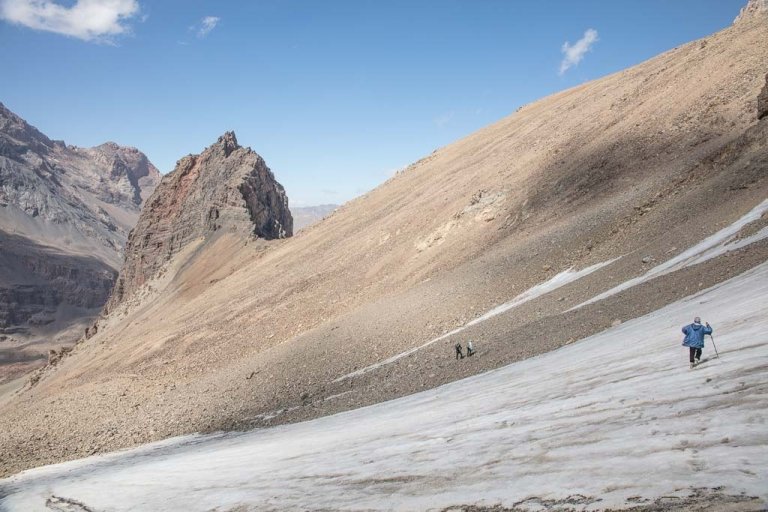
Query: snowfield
(618, 415)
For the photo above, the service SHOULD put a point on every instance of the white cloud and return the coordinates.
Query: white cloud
(574, 54)
(206, 25)
(89, 20)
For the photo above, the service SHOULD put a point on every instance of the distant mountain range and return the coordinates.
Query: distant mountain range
(304, 216)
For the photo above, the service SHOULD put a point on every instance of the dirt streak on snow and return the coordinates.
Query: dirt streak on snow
(711, 247)
(616, 415)
(561, 279)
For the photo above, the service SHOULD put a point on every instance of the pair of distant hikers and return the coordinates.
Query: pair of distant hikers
(694, 339)
(460, 353)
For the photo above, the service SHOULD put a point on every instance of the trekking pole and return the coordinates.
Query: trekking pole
(715, 346)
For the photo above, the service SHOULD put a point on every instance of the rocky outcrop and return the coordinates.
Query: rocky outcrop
(753, 9)
(762, 101)
(130, 176)
(225, 188)
(65, 215)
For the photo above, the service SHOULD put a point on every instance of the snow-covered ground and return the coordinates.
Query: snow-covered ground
(615, 416)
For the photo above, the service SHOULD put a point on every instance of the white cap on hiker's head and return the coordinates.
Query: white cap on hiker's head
(697, 320)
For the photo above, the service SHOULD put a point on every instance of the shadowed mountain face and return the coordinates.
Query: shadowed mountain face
(52, 275)
(65, 214)
(609, 180)
(45, 292)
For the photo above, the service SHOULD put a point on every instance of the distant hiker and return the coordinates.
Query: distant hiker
(694, 339)
(470, 348)
(459, 353)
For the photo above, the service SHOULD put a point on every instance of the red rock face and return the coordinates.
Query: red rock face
(226, 187)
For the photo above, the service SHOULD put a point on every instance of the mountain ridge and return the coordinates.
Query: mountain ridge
(305, 216)
(65, 213)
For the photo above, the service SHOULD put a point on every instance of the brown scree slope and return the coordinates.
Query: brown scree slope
(239, 333)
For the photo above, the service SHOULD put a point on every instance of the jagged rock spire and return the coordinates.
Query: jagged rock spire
(226, 188)
(228, 142)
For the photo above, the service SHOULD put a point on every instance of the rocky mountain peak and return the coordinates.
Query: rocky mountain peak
(228, 142)
(226, 188)
(753, 9)
(111, 146)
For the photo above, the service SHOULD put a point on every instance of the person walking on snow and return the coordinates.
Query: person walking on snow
(694, 339)
(459, 353)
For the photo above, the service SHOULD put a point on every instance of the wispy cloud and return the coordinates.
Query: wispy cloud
(89, 20)
(206, 25)
(443, 120)
(575, 53)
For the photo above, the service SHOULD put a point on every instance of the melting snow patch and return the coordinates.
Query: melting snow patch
(561, 279)
(711, 247)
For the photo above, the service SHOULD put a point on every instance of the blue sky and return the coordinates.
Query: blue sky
(335, 95)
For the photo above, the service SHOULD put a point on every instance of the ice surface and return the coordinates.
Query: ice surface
(711, 247)
(618, 414)
(561, 279)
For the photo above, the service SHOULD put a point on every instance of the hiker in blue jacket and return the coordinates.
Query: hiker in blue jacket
(694, 339)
